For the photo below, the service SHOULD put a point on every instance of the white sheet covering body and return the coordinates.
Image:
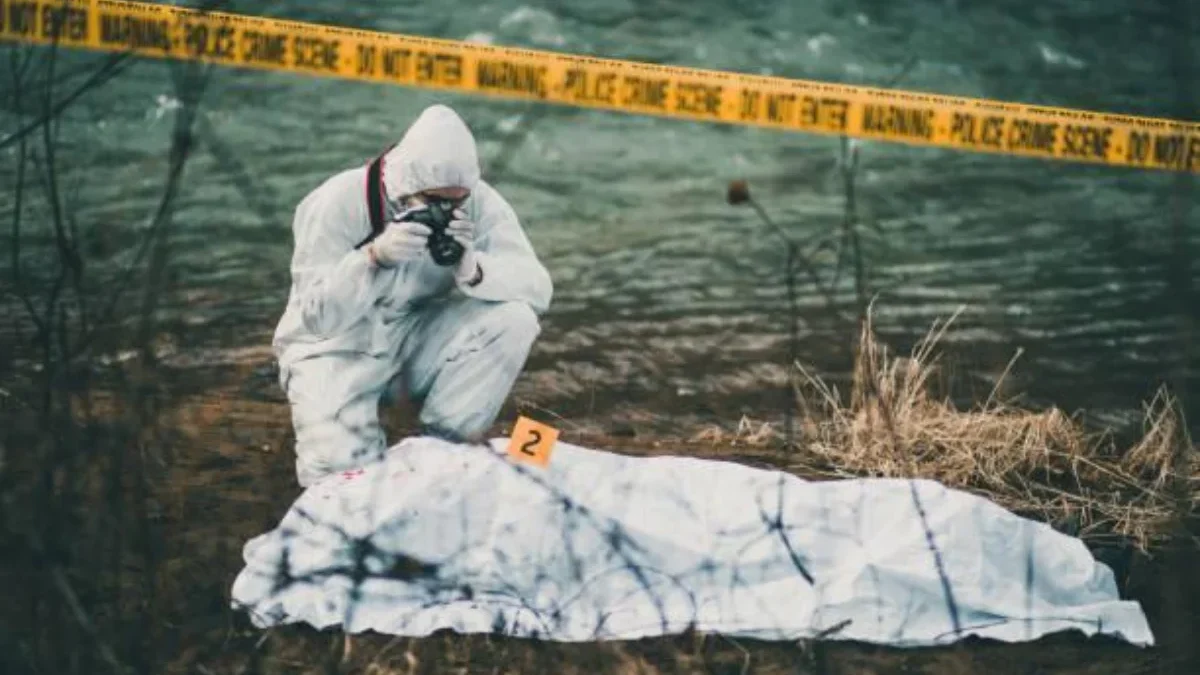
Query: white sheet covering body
(600, 546)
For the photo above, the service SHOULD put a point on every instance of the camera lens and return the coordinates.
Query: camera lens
(444, 250)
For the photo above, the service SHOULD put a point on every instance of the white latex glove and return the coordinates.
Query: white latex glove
(399, 242)
(462, 230)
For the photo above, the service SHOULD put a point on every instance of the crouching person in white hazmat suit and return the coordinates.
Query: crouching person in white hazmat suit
(410, 272)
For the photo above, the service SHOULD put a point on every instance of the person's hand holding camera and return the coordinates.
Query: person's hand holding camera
(400, 242)
(462, 230)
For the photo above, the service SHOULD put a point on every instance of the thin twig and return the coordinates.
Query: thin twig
(111, 68)
(905, 69)
(106, 652)
(745, 652)
(808, 266)
(68, 255)
(15, 238)
(1000, 380)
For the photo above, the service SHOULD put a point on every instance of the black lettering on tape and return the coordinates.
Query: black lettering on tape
(1137, 150)
(698, 98)
(518, 78)
(1167, 150)
(22, 18)
(264, 48)
(992, 133)
(64, 23)
(135, 32)
(641, 92)
(397, 64)
(781, 108)
(750, 105)
(826, 113)
(206, 41)
(444, 69)
(225, 46)
(969, 129)
(316, 54)
(581, 86)
(1175, 151)
(1032, 137)
(894, 120)
(1086, 142)
(365, 59)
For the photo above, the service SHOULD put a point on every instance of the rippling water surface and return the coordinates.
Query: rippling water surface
(669, 301)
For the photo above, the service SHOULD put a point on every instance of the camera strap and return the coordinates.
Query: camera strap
(374, 191)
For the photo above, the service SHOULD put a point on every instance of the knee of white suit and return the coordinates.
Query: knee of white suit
(515, 324)
(503, 328)
(473, 382)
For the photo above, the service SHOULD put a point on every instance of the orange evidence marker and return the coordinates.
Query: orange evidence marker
(531, 442)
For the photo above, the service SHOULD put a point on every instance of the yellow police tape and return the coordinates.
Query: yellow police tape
(686, 93)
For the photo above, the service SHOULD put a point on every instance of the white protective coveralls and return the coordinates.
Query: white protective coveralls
(351, 329)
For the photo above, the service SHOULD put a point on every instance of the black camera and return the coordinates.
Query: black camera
(437, 215)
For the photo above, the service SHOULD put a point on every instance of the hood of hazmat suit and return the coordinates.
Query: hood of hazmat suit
(339, 302)
(437, 151)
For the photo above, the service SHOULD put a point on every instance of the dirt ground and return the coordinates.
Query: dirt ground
(231, 477)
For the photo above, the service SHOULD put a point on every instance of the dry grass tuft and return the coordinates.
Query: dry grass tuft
(748, 433)
(1039, 463)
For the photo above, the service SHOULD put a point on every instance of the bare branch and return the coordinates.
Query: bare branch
(19, 67)
(72, 600)
(71, 266)
(112, 67)
(179, 154)
(905, 69)
(190, 83)
(244, 180)
(15, 240)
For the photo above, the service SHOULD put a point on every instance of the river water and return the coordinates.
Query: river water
(670, 304)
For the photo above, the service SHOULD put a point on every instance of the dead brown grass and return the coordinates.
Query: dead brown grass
(1040, 463)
